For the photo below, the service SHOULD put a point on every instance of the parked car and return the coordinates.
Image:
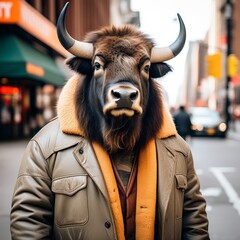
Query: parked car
(207, 122)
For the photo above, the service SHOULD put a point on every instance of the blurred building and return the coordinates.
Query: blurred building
(235, 81)
(32, 69)
(207, 65)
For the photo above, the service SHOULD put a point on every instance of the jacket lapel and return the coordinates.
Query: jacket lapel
(111, 184)
(166, 171)
(83, 152)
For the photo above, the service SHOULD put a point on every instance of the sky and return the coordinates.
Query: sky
(158, 20)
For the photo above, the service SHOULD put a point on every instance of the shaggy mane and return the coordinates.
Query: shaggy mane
(119, 133)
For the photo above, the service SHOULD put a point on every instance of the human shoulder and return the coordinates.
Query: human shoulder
(51, 138)
(175, 143)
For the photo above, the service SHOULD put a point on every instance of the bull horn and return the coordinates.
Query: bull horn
(77, 48)
(160, 54)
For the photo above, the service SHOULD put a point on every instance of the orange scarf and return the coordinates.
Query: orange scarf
(146, 191)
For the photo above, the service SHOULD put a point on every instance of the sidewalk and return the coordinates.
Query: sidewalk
(10, 158)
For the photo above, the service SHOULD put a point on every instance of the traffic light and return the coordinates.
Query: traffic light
(214, 65)
(232, 65)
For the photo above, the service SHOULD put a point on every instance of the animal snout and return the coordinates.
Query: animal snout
(124, 95)
(123, 99)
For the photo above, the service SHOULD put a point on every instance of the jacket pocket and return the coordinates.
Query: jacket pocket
(181, 186)
(71, 207)
(181, 182)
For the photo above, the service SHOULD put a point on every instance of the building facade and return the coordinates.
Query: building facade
(207, 64)
(32, 69)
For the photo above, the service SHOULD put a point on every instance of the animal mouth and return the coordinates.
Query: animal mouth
(115, 111)
(122, 111)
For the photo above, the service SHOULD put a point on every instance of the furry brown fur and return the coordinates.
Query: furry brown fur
(124, 56)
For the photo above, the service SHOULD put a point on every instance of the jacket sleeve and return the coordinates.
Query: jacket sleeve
(32, 203)
(195, 221)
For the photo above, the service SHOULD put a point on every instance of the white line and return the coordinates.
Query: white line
(208, 208)
(211, 192)
(230, 191)
(199, 172)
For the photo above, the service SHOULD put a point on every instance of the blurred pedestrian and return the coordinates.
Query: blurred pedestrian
(183, 123)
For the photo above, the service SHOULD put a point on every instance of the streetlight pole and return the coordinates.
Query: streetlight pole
(228, 9)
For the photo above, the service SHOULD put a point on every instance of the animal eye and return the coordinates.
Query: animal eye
(97, 65)
(147, 68)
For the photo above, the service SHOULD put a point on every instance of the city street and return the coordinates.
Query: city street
(216, 160)
(218, 164)
(94, 64)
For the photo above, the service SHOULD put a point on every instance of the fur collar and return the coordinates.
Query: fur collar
(66, 112)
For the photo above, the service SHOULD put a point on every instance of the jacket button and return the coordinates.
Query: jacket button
(107, 224)
(80, 151)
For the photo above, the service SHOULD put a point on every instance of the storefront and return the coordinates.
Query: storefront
(30, 75)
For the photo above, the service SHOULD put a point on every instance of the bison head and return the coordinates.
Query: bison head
(118, 103)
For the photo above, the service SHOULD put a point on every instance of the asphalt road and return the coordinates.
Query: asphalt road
(218, 165)
(217, 162)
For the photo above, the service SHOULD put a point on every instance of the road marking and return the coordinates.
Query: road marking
(199, 172)
(228, 188)
(208, 208)
(211, 192)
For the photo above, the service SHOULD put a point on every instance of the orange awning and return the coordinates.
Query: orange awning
(25, 16)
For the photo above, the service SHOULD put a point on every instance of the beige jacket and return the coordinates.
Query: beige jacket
(62, 191)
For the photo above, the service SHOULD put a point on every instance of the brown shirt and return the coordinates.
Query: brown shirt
(125, 170)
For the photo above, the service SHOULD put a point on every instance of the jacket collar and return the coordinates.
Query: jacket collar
(68, 117)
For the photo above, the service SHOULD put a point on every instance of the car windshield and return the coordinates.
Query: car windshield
(204, 112)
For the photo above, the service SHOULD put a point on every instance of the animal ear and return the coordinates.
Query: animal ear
(80, 65)
(158, 70)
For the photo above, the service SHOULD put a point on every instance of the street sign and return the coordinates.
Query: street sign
(214, 65)
(232, 65)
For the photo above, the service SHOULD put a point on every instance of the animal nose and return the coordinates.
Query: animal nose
(124, 97)
(127, 94)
